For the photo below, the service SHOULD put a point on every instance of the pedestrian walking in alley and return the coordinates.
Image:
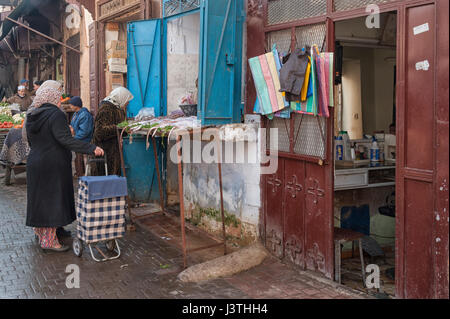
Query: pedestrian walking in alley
(50, 193)
(82, 128)
(112, 111)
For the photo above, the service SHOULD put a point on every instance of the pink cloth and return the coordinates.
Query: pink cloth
(269, 81)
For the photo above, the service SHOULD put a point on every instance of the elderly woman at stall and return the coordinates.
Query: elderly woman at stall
(21, 98)
(112, 111)
(50, 193)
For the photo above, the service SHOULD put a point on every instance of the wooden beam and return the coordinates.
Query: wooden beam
(43, 35)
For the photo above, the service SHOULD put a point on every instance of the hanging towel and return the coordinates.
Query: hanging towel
(310, 106)
(275, 79)
(257, 109)
(267, 81)
(277, 59)
(323, 93)
(331, 77)
(265, 106)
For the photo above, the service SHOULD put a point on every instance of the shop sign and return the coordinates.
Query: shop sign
(115, 6)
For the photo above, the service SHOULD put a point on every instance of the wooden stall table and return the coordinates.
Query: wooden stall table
(179, 133)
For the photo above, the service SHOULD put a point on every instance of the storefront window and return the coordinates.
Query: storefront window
(172, 7)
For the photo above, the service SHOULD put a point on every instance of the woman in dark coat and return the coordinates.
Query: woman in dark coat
(112, 111)
(50, 193)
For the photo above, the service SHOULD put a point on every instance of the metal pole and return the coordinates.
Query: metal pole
(124, 173)
(219, 165)
(180, 190)
(43, 35)
(161, 195)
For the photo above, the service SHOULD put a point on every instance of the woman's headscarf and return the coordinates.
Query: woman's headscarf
(119, 97)
(49, 92)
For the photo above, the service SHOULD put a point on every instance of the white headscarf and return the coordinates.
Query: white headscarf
(119, 97)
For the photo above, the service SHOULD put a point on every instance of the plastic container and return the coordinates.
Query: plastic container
(339, 142)
(347, 146)
(375, 154)
(140, 165)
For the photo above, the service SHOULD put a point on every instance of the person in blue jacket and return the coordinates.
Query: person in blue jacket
(82, 127)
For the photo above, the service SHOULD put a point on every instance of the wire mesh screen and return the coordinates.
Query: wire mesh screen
(281, 38)
(343, 5)
(281, 11)
(310, 135)
(310, 35)
(172, 7)
(283, 126)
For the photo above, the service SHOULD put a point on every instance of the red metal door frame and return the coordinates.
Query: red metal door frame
(440, 175)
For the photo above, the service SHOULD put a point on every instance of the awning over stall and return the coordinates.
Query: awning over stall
(24, 8)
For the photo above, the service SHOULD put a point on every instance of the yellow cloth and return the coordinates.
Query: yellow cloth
(304, 92)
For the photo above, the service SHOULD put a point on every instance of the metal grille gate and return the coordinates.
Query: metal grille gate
(298, 219)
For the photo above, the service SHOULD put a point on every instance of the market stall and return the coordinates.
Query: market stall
(171, 128)
(14, 150)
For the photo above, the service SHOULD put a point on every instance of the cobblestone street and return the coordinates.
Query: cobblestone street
(147, 268)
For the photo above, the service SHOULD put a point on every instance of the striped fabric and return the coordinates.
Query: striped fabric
(267, 83)
(320, 89)
(99, 220)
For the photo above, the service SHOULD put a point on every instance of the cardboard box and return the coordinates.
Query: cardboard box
(117, 61)
(114, 80)
(116, 49)
(118, 68)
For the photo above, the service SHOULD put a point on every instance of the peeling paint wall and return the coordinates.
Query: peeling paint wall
(241, 186)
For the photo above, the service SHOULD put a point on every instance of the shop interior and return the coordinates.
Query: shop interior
(365, 146)
(183, 45)
(183, 52)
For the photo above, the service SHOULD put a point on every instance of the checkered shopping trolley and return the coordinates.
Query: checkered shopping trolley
(100, 214)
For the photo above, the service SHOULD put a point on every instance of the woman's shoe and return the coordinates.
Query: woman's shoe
(61, 249)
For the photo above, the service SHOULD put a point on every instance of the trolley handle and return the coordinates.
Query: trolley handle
(91, 161)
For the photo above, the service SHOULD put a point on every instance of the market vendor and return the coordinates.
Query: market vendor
(21, 98)
(112, 111)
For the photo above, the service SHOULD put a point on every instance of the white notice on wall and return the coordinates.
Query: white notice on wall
(423, 65)
(421, 29)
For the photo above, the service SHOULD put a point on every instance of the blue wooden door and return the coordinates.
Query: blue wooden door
(144, 66)
(220, 80)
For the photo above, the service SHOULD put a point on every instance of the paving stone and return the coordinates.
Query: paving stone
(27, 272)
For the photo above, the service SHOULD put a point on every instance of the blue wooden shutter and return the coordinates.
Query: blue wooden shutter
(220, 77)
(144, 66)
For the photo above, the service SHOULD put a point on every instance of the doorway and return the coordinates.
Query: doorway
(365, 150)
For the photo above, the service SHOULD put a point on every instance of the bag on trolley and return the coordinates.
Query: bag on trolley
(101, 208)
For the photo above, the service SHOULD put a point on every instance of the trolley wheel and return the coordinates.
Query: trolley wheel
(77, 247)
(111, 245)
